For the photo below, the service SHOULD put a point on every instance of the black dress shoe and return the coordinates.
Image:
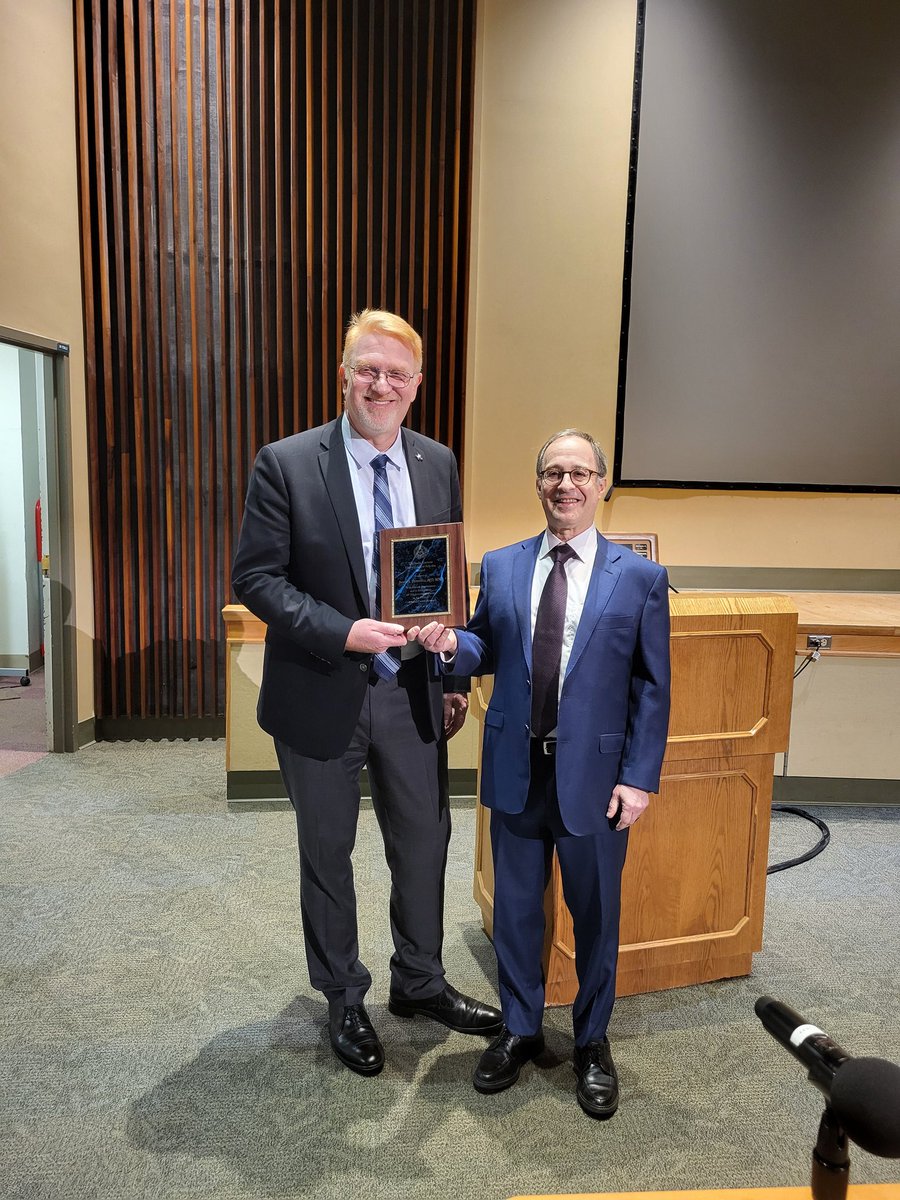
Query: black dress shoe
(451, 1008)
(354, 1040)
(598, 1083)
(499, 1066)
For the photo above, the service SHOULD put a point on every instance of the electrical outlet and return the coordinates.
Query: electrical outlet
(818, 641)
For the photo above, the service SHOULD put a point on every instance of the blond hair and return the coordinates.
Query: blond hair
(377, 320)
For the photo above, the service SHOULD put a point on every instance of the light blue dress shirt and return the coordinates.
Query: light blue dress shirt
(360, 453)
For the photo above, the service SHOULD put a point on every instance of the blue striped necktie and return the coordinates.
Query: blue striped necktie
(386, 664)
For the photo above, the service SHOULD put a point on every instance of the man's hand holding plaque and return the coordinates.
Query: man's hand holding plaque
(435, 637)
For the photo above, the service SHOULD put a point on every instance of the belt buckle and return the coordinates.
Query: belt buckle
(548, 746)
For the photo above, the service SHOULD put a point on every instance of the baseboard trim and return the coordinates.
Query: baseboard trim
(18, 664)
(264, 790)
(85, 733)
(249, 787)
(808, 789)
(158, 729)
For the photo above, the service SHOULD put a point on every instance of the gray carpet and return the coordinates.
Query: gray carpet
(159, 1038)
(23, 713)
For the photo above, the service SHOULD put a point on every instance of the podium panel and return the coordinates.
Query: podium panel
(693, 888)
(732, 674)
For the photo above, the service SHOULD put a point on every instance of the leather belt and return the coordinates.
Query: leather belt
(545, 746)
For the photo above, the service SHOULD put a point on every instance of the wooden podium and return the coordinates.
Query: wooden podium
(694, 885)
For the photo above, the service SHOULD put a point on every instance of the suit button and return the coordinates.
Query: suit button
(364, 666)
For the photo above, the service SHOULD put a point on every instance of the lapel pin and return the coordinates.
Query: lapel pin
(419, 456)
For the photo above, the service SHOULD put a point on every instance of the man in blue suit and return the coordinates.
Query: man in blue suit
(575, 631)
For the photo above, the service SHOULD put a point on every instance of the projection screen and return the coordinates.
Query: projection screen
(760, 339)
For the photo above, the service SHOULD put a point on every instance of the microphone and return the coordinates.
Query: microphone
(819, 1054)
(863, 1093)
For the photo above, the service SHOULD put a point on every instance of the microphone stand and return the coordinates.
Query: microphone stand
(830, 1160)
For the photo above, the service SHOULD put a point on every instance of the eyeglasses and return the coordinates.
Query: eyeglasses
(579, 476)
(368, 375)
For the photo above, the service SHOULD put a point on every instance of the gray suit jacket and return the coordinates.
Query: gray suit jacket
(299, 567)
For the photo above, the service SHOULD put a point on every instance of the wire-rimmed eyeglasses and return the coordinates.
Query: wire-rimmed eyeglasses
(368, 375)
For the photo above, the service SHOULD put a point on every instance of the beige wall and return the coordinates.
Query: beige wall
(551, 155)
(40, 267)
(553, 117)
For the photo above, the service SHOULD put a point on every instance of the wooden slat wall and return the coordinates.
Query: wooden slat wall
(251, 172)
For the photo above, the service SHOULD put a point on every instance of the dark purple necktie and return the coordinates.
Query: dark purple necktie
(546, 645)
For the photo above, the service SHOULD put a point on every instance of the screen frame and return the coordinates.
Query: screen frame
(618, 479)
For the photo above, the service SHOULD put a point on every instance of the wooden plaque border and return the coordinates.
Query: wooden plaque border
(457, 582)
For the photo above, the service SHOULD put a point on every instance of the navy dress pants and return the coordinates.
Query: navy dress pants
(523, 845)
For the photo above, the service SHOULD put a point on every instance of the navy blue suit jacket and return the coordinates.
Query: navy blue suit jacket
(614, 708)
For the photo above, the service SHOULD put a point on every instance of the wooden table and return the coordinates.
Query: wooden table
(861, 623)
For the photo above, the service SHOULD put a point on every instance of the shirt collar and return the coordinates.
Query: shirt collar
(579, 544)
(362, 451)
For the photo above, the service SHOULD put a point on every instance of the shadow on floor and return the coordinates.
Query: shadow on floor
(273, 1104)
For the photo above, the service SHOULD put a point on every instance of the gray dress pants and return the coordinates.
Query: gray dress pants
(408, 776)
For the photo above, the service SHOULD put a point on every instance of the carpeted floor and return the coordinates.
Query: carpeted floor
(23, 722)
(159, 1038)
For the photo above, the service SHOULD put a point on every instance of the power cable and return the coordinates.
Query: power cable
(814, 657)
(817, 849)
(823, 841)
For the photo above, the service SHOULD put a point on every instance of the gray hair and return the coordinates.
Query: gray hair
(594, 445)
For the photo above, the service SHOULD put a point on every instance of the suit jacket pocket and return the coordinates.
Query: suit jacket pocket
(495, 720)
(288, 651)
(611, 743)
(616, 622)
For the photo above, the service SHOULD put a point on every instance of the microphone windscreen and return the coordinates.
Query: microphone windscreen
(865, 1098)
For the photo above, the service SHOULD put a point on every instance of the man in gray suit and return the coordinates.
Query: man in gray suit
(342, 689)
